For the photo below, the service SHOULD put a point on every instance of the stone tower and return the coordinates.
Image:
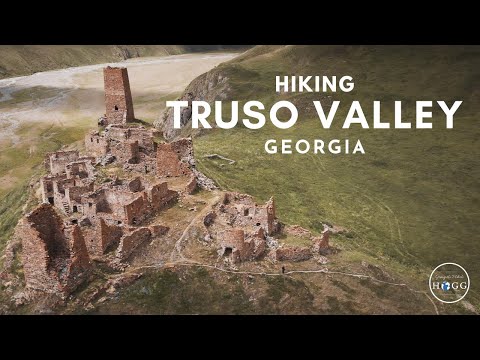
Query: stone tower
(118, 98)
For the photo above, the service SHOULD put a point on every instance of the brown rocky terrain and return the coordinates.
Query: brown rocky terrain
(132, 203)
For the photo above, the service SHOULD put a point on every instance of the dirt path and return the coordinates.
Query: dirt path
(177, 251)
(324, 271)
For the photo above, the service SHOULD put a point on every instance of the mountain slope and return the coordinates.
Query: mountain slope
(17, 60)
(412, 200)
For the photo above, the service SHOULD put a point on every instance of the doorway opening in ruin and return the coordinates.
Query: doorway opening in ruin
(51, 201)
(119, 222)
(146, 169)
(116, 108)
(74, 221)
(258, 224)
(75, 209)
(227, 252)
(245, 212)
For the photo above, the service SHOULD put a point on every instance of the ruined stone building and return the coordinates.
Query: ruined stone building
(118, 97)
(55, 258)
(82, 217)
(240, 226)
(86, 215)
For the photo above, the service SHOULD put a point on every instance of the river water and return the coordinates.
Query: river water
(53, 96)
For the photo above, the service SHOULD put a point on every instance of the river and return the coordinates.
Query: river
(63, 96)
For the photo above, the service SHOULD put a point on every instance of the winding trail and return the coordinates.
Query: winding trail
(323, 271)
(178, 248)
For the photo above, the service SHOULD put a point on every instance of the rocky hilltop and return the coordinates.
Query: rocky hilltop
(209, 87)
(117, 209)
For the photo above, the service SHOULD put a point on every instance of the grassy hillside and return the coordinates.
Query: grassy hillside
(412, 201)
(16, 60)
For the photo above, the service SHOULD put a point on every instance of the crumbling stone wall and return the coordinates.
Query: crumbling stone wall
(80, 169)
(169, 163)
(126, 152)
(191, 185)
(184, 149)
(96, 144)
(240, 210)
(292, 253)
(146, 165)
(175, 158)
(78, 265)
(47, 188)
(118, 97)
(233, 245)
(59, 198)
(158, 230)
(128, 203)
(144, 136)
(55, 162)
(73, 196)
(321, 243)
(137, 210)
(259, 245)
(102, 237)
(160, 196)
(130, 242)
(55, 257)
(242, 246)
(136, 185)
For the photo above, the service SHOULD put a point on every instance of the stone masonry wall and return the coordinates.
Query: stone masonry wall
(55, 257)
(130, 242)
(168, 162)
(41, 234)
(78, 266)
(55, 162)
(126, 152)
(118, 97)
(108, 236)
(293, 253)
(96, 144)
(137, 210)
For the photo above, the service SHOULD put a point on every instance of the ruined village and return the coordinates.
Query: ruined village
(131, 200)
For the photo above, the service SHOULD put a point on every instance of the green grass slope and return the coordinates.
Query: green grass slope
(16, 60)
(412, 201)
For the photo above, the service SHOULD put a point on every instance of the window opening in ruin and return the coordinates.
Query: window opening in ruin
(50, 200)
(119, 222)
(116, 108)
(75, 208)
(98, 141)
(146, 169)
(245, 212)
(74, 221)
(91, 139)
(258, 224)
(134, 221)
(89, 204)
(228, 251)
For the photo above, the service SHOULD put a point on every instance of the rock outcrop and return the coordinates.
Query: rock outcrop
(209, 87)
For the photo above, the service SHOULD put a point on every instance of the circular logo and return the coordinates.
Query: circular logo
(449, 283)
